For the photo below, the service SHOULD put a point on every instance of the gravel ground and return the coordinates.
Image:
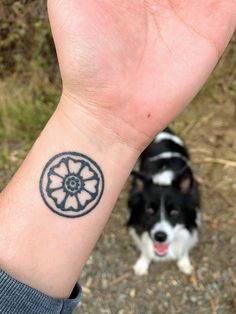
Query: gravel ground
(111, 287)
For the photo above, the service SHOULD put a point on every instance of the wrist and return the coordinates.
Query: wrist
(122, 123)
(51, 258)
(95, 126)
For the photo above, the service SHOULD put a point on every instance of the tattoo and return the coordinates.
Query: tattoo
(71, 184)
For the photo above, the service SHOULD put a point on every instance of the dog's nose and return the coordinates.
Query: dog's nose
(160, 236)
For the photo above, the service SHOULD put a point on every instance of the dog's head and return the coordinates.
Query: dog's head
(162, 211)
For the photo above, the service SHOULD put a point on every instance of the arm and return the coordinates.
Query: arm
(40, 247)
(125, 76)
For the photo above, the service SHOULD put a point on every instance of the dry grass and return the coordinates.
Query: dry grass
(24, 110)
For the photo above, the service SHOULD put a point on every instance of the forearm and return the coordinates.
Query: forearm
(38, 246)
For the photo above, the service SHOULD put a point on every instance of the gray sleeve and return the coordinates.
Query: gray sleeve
(18, 298)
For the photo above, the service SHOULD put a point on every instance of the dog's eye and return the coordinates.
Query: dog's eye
(149, 211)
(174, 212)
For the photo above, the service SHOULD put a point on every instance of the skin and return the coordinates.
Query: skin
(138, 61)
(128, 68)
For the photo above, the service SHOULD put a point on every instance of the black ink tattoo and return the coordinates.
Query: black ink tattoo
(71, 184)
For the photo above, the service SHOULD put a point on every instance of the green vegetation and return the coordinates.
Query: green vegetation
(25, 41)
(29, 77)
(24, 110)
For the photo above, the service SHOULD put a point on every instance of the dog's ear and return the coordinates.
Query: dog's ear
(185, 185)
(140, 180)
(184, 182)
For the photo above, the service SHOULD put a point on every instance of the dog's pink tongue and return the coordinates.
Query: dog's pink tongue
(161, 248)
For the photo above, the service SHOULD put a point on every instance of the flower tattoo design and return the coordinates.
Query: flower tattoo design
(71, 184)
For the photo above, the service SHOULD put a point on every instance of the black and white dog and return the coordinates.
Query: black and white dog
(163, 203)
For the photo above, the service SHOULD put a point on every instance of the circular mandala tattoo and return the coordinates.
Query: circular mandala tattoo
(71, 184)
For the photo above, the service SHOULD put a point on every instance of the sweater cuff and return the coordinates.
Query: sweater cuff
(18, 298)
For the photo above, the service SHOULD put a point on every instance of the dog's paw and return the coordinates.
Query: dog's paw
(185, 266)
(141, 267)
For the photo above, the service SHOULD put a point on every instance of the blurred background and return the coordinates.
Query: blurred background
(29, 91)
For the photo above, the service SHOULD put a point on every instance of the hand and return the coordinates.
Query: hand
(135, 64)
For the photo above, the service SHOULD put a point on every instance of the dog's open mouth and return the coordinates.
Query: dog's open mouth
(161, 249)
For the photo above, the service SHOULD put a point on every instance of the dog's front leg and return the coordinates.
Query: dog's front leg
(142, 265)
(184, 264)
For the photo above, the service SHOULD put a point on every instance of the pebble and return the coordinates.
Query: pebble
(168, 294)
(149, 292)
(193, 299)
(166, 304)
(215, 286)
(90, 260)
(132, 293)
(104, 283)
